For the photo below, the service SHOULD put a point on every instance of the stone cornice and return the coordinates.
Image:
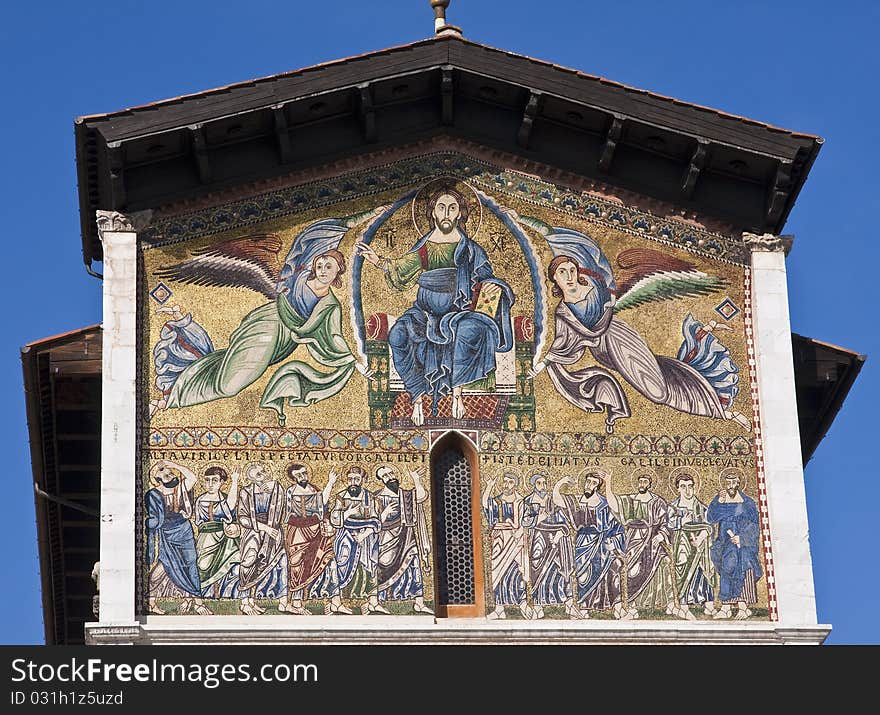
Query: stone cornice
(768, 242)
(116, 222)
(416, 630)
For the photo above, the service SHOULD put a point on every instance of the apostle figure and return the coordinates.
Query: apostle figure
(262, 572)
(735, 549)
(599, 545)
(649, 573)
(461, 316)
(691, 542)
(403, 539)
(356, 544)
(218, 540)
(171, 543)
(510, 549)
(551, 559)
(308, 540)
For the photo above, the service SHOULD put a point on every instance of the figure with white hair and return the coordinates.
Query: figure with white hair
(510, 559)
(551, 559)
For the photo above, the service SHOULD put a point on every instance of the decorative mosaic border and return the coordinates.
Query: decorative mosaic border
(202, 438)
(490, 441)
(403, 173)
(759, 448)
(595, 443)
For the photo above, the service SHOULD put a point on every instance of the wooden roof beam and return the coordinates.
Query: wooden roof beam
(200, 152)
(116, 167)
(447, 89)
(367, 112)
(612, 136)
(533, 106)
(282, 134)
(695, 167)
(779, 192)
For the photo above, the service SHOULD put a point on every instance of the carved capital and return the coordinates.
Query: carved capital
(768, 242)
(115, 222)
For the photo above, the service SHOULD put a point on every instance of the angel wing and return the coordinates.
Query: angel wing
(645, 275)
(246, 262)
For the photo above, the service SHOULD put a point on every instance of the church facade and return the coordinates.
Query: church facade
(440, 387)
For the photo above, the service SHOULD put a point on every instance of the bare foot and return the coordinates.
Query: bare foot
(418, 415)
(153, 607)
(723, 612)
(573, 611)
(457, 406)
(499, 614)
(739, 418)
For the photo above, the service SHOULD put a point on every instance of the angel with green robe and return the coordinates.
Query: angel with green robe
(302, 310)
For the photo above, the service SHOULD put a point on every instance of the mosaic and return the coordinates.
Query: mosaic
(306, 350)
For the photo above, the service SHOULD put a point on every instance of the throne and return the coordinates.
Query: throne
(504, 399)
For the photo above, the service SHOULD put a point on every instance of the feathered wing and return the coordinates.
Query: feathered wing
(644, 276)
(245, 262)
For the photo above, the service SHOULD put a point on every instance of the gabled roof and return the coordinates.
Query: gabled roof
(739, 170)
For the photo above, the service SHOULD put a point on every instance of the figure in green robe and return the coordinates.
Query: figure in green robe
(303, 310)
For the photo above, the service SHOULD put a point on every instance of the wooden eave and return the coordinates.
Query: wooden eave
(62, 382)
(731, 168)
(824, 375)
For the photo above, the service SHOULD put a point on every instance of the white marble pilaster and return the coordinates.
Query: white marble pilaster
(118, 235)
(792, 570)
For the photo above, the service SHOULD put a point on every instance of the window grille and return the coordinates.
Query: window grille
(454, 527)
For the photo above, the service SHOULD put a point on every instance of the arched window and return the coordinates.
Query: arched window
(458, 553)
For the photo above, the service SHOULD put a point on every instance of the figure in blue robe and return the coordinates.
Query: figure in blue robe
(171, 543)
(461, 315)
(735, 550)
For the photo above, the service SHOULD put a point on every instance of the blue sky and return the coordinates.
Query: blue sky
(808, 66)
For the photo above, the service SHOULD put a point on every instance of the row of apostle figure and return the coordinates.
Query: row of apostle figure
(263, 542)
(623, 552)
(590, 552)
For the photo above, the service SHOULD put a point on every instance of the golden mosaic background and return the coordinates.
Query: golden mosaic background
(567, 447)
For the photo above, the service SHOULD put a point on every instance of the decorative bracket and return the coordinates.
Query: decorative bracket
(367, 112)
(446, 94)
(528, 121)
(116, 163)
(611, 138)
(282, 134)
(692, 174)
(200, 152)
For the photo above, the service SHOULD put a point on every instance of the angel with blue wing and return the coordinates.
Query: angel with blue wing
(302, 310)
(702, 380)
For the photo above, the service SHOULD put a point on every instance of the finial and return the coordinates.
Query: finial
(440, 25)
